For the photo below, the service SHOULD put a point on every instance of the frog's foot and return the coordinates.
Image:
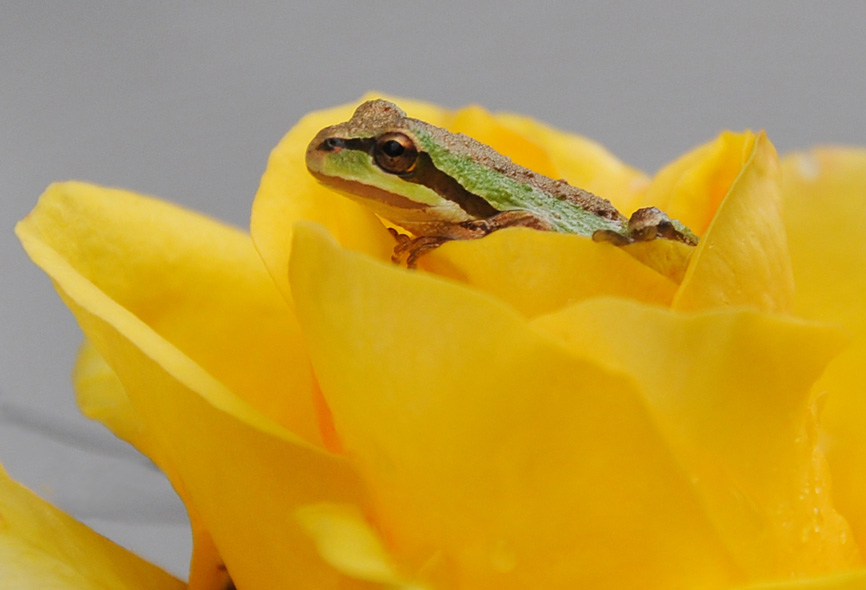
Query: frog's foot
(411, 249)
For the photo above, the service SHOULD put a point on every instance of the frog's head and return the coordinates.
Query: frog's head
(377, 158)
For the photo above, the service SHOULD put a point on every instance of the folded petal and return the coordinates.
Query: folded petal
(240, 471)
(197, 283)
(546, 271)
(41, 547)
(824, 203)
(730, 391)
(692, 187)
(496, 459)
(743, 259)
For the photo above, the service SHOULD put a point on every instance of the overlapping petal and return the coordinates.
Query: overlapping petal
(825, 217)
(547, 271)
(496, 458)
(41, 547)
(743, 258)
(653, 425)
(730, 391)
(242, 470)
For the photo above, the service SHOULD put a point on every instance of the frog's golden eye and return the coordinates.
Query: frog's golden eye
(395, 153)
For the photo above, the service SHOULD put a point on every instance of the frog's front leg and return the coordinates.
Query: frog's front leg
(414, 248)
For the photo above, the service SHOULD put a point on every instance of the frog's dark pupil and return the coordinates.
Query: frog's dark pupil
(393, 148)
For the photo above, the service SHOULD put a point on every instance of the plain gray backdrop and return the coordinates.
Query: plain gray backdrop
(185, 100)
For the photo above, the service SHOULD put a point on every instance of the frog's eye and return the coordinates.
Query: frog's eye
(395, 153)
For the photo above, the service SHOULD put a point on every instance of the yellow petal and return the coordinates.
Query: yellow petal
(546, 270)
(496, 459)
(855, 580)
(197, 283)
(730, 390)
(743, 258)
(101, 396)
(825, 199)
(41, 547)
(582, 162)
(348, 542)
(241, 472)
(692, 187)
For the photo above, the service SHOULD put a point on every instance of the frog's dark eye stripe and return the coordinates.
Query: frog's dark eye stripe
(421, 170)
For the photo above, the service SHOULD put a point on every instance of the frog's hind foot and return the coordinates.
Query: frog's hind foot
(650, 223)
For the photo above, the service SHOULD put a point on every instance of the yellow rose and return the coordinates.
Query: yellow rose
(531, 410)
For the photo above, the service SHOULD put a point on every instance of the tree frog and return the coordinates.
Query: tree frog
(443, 186)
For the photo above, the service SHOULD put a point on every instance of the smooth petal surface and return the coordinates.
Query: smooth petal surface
(546, 270)
(41, 547)
(496, 458)
(730, 391)
(224, 451)
(825, 217)
(197, 283)
(102, 397)
(743, 259)
(855, 580)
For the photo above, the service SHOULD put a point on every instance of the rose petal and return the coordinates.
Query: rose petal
(743, 258)
(730, 390)
(348, 542)
(41, 547)
(199, 284)
(496, 459)
(241, 472)
(101, 396)
(546, 270)
(844, 581)
(692, 187)
(825, 217)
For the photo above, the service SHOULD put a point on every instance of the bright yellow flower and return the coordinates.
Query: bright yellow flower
(531, 410)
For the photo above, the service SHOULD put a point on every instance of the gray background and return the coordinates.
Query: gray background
(185, 100)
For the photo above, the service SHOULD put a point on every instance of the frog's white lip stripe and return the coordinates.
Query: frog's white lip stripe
(367, 191)
(424, 173)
